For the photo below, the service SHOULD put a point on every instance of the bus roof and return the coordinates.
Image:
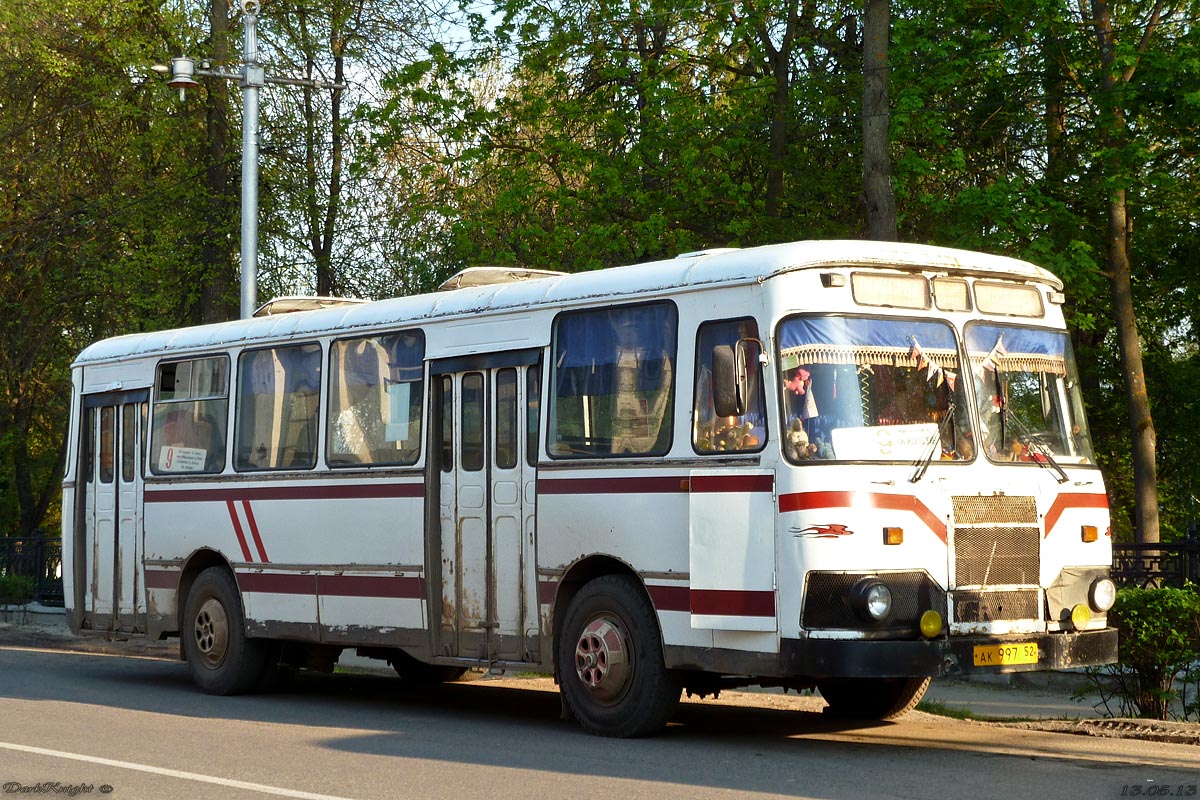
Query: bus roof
(692, 270)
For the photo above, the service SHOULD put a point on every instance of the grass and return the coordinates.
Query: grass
(943, 710)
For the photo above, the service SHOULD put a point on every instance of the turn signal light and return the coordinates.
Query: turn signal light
(893, 535)
(1090, 533)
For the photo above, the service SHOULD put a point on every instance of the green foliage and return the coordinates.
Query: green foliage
(15, 589)
(1159, 655)
(578, 136)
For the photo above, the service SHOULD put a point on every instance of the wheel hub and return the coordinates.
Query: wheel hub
(602, 659)
(211, 632)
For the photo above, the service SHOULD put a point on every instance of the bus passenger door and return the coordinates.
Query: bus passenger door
(101, 519)
(111, 564)
(129, 591)
(486, 516)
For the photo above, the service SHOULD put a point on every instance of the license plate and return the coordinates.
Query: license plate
(999, 655)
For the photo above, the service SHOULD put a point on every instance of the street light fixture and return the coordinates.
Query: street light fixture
(251, 78)
(182, 69)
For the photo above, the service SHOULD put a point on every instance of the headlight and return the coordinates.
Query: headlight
(1102, 594)
(871, 599)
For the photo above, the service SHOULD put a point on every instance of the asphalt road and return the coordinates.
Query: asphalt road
(136, 727)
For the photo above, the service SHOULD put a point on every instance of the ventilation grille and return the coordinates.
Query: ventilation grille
(993, 606)
(997, 541)
(995, 510)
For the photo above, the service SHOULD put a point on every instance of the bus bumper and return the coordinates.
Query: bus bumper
(957, 655)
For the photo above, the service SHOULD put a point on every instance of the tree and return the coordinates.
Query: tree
(877, 162)
(1117, 69)
(82, 236)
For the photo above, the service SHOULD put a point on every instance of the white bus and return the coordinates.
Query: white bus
(842, 465)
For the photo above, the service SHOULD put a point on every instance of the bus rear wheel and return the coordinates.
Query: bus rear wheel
(223, 660)
(609, 661)
(872, 698)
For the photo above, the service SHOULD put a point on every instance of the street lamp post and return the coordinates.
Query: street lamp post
(251, 78)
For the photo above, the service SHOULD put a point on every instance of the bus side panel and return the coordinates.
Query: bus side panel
(732, 550)
(641, 521)
(340, 562)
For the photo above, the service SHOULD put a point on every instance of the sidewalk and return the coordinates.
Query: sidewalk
(1018, 696)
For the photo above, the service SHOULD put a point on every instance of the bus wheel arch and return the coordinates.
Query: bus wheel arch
(195, 563)
(574, 578)
(609, 657)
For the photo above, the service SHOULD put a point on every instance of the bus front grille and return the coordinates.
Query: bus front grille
(996, 542)
(995, 605)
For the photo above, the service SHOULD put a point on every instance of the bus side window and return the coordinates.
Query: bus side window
(375, 389)
(506, 419)
(533, 404)
(613, 381)
(278, 394)
(108, 446)
(713, 434)
(191, 405)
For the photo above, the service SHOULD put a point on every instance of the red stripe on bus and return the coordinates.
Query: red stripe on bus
(161, 578)
(807, 501)
(715, 602)
(733, 602)
(658, 484)
(275, 583)
(1073, 500)
(237, 529)
(733, 483)
(670, 598)
(396, 586)
(357, 491)
(645, 485)
(262, 553)
(378, 586)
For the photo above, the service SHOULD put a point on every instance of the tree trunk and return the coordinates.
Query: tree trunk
(877, 164)
(215, 305)
(1115, 77)
(779, 61)
(1141, 423)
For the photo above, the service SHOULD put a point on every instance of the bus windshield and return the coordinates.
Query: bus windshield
(1027, 387)
(868, 389)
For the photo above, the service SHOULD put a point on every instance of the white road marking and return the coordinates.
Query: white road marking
(170, 773)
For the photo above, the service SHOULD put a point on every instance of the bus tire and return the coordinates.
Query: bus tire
(223, 660)
(610, 663)
(872, 698)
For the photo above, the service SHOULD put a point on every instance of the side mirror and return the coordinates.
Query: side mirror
(728, 395)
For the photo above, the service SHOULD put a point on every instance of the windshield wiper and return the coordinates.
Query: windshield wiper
(1042, 455)
(934, 445)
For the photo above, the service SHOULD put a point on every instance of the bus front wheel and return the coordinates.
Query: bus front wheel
(223, 660)
(610, 663)
(872, 698)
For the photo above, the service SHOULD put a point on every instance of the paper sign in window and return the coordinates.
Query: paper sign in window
(398, 395)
